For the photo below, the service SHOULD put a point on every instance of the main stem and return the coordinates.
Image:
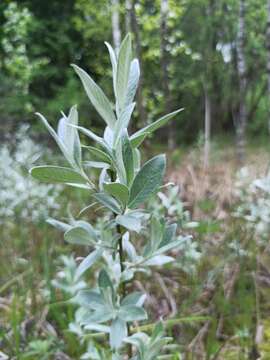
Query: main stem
(123, 289)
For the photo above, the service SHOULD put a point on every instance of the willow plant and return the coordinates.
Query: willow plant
(122, 187)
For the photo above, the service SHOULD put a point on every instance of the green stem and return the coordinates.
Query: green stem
(123, 290)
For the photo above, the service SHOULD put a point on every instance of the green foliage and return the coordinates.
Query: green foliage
(123, 186)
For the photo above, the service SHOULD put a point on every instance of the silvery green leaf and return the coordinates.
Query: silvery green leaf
(100, 315)
(169, 234)
(137, 160)
(96, 165)
(132, 313)
(104, 280)
(171, 245)
(59, 224)
(129, 248)
(127, 155)
(147, 181)
(108, 201)
(81, 234)
(123, 121)
(97, 327)
(137, 140)
(156, 234)
(98, 155)
(117, 190)
(103, 178)
(61, 145)
(57, 174)
(114, 64)
(119, 163)
(135, 298)
(91, 135)
(97, 97)
(159, 260)
(108, 136)
(123, 70)
(129, 222)
(155, 125)
(69, 135)
(90, 299)
(87, 262)
(133, 80)
(118, 332)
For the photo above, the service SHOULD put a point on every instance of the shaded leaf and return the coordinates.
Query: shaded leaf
(147, 181)
(97, 97)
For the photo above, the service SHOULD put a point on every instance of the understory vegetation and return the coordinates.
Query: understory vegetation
(183, 277)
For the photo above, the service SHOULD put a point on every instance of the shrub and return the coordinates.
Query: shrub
(111, 306)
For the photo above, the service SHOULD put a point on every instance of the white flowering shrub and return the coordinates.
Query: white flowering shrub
(254, 203)
(20, 196)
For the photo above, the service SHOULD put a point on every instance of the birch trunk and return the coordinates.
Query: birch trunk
(207, 127)
(241, 66)
(268, 57)
(116, 32)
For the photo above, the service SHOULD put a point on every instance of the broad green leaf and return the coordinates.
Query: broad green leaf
(88, 262)
(133, 81)
(56, 174)
(117, 190)
(127, 155)
(81, 234)
(123, 69)
(59, 142)
(132, 313)
(155, 125)
(117, 333)
(97, 97)
(147, 181)
(129, 222)
(108, 201)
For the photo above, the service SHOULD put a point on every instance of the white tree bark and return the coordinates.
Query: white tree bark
(116, 32)
(241, 66)
(207, 127)
(268, 58)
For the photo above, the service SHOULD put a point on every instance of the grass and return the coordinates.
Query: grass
(219, 307)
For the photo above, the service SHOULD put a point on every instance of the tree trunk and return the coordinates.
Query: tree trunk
(268, 58)
(241, 66)
(164, 10)
(128, 8)
(133, 27)
(207, 127)
(116, 32)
